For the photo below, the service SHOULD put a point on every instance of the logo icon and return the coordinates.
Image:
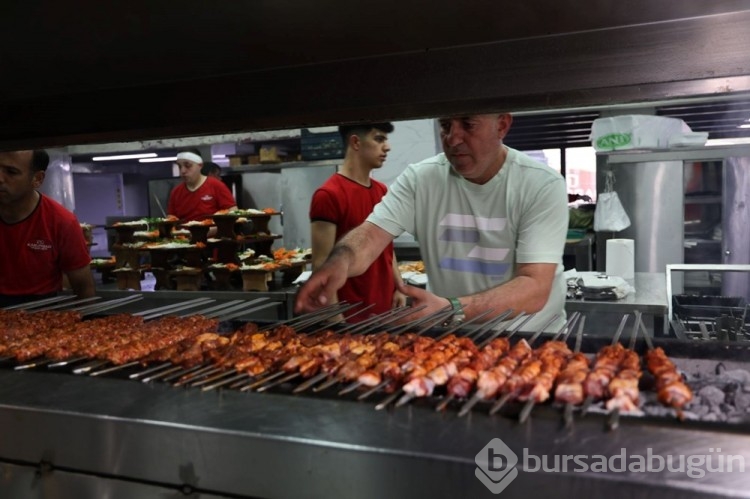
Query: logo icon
(496, 465)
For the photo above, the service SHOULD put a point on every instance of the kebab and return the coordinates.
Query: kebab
(460, 385)
(424, 385)
(446, 346)
(355, 364)
(310, 361)
(671, 390)
(543, 364)
(489, 381)
(247, 359)
(569, 389)
(604, 369)
(541, 388)
(623, 388)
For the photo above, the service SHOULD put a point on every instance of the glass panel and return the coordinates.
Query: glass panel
(580, 171)
(702, 216)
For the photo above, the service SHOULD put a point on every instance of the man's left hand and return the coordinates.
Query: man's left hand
(420, 297)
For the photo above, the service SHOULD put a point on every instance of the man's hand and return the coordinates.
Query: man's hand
(321, 288)
(419, 297)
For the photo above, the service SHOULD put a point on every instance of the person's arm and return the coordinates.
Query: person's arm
(224, 198)
(527, 292)
(82, 282)
(399, 298)
(323, 237)
(351, 256)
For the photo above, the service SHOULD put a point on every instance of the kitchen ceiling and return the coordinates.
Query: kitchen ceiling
(130, 70)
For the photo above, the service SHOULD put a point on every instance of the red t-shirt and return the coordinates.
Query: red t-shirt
(39, 249)
(213, 195)
(346, 203)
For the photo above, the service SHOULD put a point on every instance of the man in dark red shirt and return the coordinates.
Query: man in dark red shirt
(199, 196)
(39, 239)
(343, 202)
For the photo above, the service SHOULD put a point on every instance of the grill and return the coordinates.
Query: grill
(336, 415)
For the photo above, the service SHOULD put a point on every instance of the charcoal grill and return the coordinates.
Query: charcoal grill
(114, 433)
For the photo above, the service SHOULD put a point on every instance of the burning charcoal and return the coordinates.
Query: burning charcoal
(741, 376)
(700, 410)
(726, 408)
(712, 395)
(731, 390)
(711, 417)
(742, 400)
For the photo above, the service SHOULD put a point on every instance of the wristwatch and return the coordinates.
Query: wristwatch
(458, 316)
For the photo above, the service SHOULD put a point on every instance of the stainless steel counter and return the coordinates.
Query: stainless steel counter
(116, 437)
(650, 298)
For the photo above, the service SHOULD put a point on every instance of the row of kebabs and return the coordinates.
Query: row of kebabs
(416, 364)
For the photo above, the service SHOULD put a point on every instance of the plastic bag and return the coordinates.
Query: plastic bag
(609, 215)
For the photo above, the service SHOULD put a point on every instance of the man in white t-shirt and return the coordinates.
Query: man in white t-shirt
(491, 224)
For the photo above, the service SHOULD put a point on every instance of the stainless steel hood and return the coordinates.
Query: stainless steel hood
(138, 70)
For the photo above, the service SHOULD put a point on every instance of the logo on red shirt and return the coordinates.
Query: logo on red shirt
(207, 197)
(39, 245)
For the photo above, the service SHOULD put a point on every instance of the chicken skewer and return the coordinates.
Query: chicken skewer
(570, 382)
(355, 366)
(423, 385)
(489, 381)
(623, 388)
(670, 387)
(372, 376)
(461, 384)
(446, 346)
(542, 387)
(235, 351)
(546, 359)
(308, 361)
(605, 367)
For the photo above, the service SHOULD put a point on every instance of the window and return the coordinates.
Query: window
(580, 167)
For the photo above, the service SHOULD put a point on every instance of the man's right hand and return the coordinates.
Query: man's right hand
(320, 289)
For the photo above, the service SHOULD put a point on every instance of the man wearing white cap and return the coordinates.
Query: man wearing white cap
(199, 196)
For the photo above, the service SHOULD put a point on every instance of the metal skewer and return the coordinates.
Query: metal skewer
(32, 364)
(66, 362)
(29, 305)
(589, 400)
(69, 304)
(474, 399)
(201, 378)
(338, 379)
(407, 397)
(478, 332)
(224, 382)
(437, 318)
(150, 370)
(450, 398)
(613, 420)
(91, 365)
(523, 416)
(508, 395)
(568, 410)
(192, 375)
(262, 382)
(174, 373)
(115, 368)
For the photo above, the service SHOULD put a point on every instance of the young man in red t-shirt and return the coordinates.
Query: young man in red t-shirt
(39, 239)
(199, 196)
(343, 202)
